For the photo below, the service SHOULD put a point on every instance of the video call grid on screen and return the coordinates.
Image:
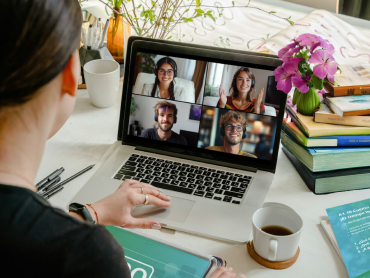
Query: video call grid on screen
(196, 90)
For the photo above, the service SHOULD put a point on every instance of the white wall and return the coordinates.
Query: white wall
(145, 114)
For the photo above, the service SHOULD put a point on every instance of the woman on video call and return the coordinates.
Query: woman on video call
(39, 73)
(241, 91)
(164, 85)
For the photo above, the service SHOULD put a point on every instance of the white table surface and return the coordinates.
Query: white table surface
(88, 135)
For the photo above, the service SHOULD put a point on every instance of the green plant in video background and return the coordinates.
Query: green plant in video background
(133, 107)
(147, 64)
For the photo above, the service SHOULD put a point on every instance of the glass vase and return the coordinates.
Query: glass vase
(115, 37)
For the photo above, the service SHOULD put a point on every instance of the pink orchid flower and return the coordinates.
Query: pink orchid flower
(286, 49)
(307, 40)
(326, 67)
(324, 44)
(283, 75)
(301, 83)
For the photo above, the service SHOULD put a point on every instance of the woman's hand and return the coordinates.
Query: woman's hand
(115, 209)
(223, 98)
(258, 101)
(223, 272)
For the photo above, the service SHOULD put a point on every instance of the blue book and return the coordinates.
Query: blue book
(326, 141)
(351, 227)
(327, 159)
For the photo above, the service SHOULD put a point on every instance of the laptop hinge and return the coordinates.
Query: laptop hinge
(200, 159)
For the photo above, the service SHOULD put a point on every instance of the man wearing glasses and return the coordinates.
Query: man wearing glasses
(233, 128)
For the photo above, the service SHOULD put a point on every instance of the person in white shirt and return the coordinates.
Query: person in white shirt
(164, 85)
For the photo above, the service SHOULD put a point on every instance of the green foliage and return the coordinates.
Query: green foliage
(147, 64)
(317, 82)
(157, 18)
(133, 107)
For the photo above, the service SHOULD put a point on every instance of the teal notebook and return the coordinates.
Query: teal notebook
(351, 226)
(150, 257)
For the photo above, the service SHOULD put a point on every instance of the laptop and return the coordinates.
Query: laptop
(218, 177)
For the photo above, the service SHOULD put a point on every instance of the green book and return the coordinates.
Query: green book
(327, 159)
(331, 181)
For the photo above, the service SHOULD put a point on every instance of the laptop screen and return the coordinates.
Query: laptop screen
(216, 107)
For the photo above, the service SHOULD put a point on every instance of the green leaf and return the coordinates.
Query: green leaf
(197, 3)
(139, 6)
(169, 37)
(211, 16)
(272, 12)
(291, 22)
(199, 11)
(209, 12)
(317, 82)
(233, 3)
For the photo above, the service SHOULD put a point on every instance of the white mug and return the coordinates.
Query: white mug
(102, 82)
(273, 247)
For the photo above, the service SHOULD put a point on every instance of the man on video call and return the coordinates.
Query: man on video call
(233, 126)
(166, 116)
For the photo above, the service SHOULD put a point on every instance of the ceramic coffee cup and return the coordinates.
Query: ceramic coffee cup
(102, 82)
(276, 247)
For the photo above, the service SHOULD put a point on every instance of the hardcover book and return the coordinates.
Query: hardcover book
(349, 105)
(353, 80)
(327, 159)
(331, 181)
(325, 115)
(312, 129)
(326, 141)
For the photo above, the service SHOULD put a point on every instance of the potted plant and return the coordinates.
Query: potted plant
(308, 63)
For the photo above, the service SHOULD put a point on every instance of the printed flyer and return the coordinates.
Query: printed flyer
(351, 226)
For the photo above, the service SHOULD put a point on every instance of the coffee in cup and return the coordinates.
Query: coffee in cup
(276, 233)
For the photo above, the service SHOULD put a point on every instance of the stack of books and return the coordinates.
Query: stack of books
(331, 150)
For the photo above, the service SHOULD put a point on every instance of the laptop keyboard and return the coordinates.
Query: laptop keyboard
(189, 179)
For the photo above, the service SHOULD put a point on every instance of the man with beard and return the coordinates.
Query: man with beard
(165, 115)
(232, 127)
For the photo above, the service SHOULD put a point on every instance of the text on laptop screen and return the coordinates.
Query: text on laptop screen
(204, 105)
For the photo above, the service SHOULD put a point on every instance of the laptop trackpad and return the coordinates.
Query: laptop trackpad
(177, 212)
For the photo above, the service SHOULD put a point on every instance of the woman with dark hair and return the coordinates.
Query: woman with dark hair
(39, 72)
(242, 91)
(164, 85)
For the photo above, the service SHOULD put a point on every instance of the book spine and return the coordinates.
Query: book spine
(336, 119)
(350, 91)
(302, 170)
(353, 141)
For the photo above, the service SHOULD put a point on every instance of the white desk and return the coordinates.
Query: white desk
(90, 131)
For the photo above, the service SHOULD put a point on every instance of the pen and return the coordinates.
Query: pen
(67, 180)
(97, 33)
(47, 196)
(89, 37)
(48, 185)
(49, 178)
(104, 33)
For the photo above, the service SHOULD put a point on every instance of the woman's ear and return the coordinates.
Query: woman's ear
(71, 74)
